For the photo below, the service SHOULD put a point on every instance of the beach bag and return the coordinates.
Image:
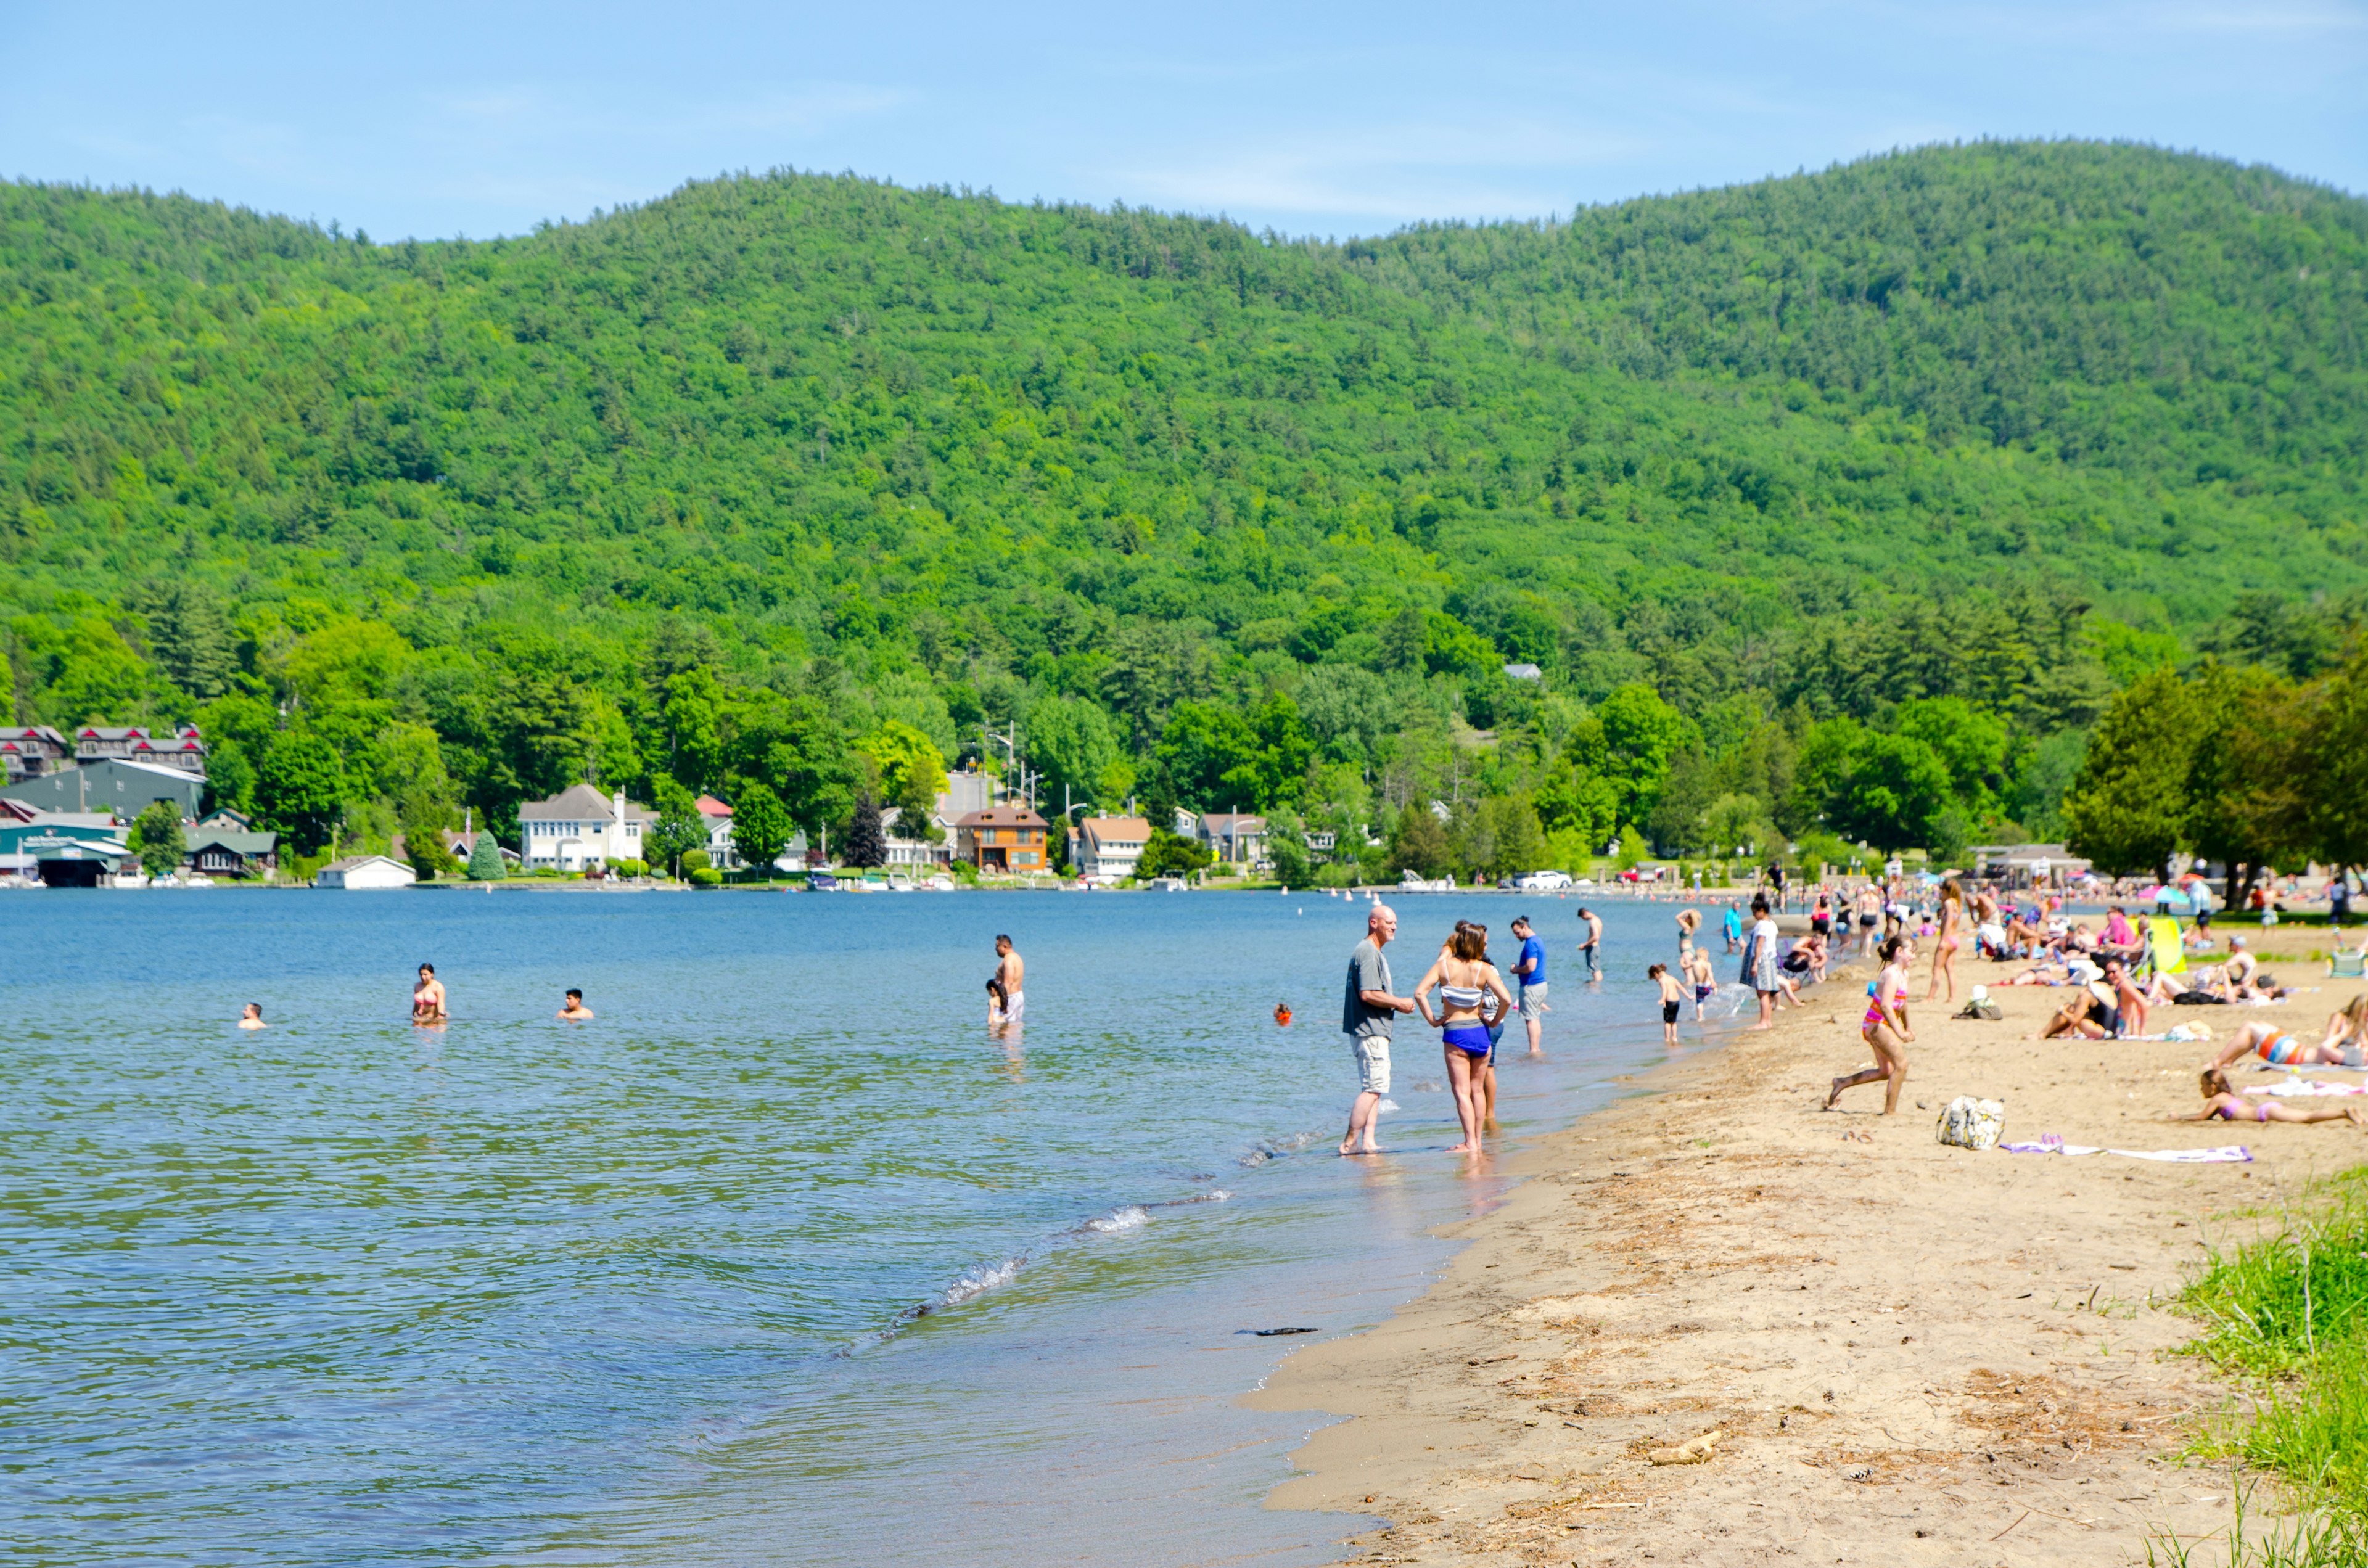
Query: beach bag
(1982, 1009)
(2197, 999)
(1968, 1123)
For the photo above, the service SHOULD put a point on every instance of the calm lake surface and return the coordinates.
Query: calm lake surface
(651, 1289)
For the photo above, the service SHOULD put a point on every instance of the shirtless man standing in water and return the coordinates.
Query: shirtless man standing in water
(1009, 1006)
(428, 997)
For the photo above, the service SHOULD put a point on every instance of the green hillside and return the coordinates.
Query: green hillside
(743, 487)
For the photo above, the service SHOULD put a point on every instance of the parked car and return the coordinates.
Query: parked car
(1542, 881)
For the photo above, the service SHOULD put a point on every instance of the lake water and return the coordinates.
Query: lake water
(781, 1260)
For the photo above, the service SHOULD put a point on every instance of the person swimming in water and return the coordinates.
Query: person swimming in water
(2221, 1100)
(428, 997)
(251, 1018)
(575, 1010)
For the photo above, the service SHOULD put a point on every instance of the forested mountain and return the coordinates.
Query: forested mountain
(785, 482)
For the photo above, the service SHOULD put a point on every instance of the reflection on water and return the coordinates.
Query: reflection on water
(779, 1253)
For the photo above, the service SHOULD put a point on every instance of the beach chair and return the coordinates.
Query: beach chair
(2165, 953)
(2341, 965)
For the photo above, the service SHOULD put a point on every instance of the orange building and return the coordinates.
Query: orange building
(1001, 838)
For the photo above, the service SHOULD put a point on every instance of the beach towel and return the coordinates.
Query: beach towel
(2306, 1087)
(2164, 946)
(2233, 1153)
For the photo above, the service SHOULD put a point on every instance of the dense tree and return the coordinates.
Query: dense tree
(679, 827)
(300, 791)
(2128, 808)
(485, 859)
(156, 838)
(866, 845)
(761, 828)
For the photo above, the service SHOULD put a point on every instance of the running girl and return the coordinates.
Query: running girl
(1884, 1029)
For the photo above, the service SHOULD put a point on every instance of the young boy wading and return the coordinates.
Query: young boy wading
(1367, 1011)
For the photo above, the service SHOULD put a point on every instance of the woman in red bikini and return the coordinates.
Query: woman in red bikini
(1946, 941)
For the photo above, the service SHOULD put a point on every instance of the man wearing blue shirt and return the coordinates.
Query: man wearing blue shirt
(1531, 970)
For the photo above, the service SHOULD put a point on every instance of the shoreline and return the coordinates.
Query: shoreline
(1914, 1352)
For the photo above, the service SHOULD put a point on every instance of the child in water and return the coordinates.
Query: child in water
(1673, 995)
(1705, 983)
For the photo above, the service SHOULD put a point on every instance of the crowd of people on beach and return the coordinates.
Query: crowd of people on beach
(2115, 974)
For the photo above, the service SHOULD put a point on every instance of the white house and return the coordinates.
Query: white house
(357, 871)
(1108, 849)
(577, 827)
(909, 852)
(718, 818)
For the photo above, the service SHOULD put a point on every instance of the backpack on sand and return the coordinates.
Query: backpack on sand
(1968, 1123)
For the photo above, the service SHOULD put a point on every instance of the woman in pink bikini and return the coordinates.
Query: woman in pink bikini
(1884, 1029)
(2222, 1100)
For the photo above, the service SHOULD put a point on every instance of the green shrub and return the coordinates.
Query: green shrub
(705, 876)
(695, 861)
(632, 867)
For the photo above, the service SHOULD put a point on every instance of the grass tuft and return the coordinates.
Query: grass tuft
(2287, 1314)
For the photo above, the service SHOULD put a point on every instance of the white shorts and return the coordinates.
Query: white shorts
(1019, 1005)
(1373, 1054)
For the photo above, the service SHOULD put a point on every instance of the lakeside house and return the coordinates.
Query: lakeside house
(1108, 849)
(1008, 837)
(364, 872)
(722, 853)
(1236, 837)
(910, 852)
(66, 849)
(127, 789)
(28, 751)
(226, 845)
(581, 826)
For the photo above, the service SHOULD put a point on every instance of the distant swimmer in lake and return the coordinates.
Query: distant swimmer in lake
(1006, 1005)
(252, 1018)
(575, 1010)
(428, 997)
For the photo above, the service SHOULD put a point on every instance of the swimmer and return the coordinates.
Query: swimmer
(428, 997)
(2222, 1100)
(576, 1009)
(1466, 981)
(1007, 1004)
(1594, 935)
(1884, 1027)
(252, 1017)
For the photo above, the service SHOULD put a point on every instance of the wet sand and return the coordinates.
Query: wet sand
(1917, 1354)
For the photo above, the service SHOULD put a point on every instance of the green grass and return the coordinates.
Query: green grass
(2287, 1316)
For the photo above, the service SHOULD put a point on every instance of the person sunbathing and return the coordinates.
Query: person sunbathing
(2347, 1033)
(2086, 1012)
(2041, 971)
(2279, 1049)
(2222, 1100)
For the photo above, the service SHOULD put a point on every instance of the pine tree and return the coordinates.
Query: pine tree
(485, 859)
(191, 637)
(867, 846)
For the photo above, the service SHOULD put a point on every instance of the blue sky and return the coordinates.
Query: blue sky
(435, 118)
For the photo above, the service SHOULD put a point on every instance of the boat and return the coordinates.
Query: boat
(820, 881)
(941, 884)
(1168, 884)
(899, 882)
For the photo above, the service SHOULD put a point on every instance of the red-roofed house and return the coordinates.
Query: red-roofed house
(28, 751)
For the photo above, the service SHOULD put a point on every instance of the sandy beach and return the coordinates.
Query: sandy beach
(1917, 1354)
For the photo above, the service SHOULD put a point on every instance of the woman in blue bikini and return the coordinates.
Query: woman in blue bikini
(1465, 979)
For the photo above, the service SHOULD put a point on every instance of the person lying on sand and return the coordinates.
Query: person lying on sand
(2279, 1049)
(2222, 1100)
(2347, 1031)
